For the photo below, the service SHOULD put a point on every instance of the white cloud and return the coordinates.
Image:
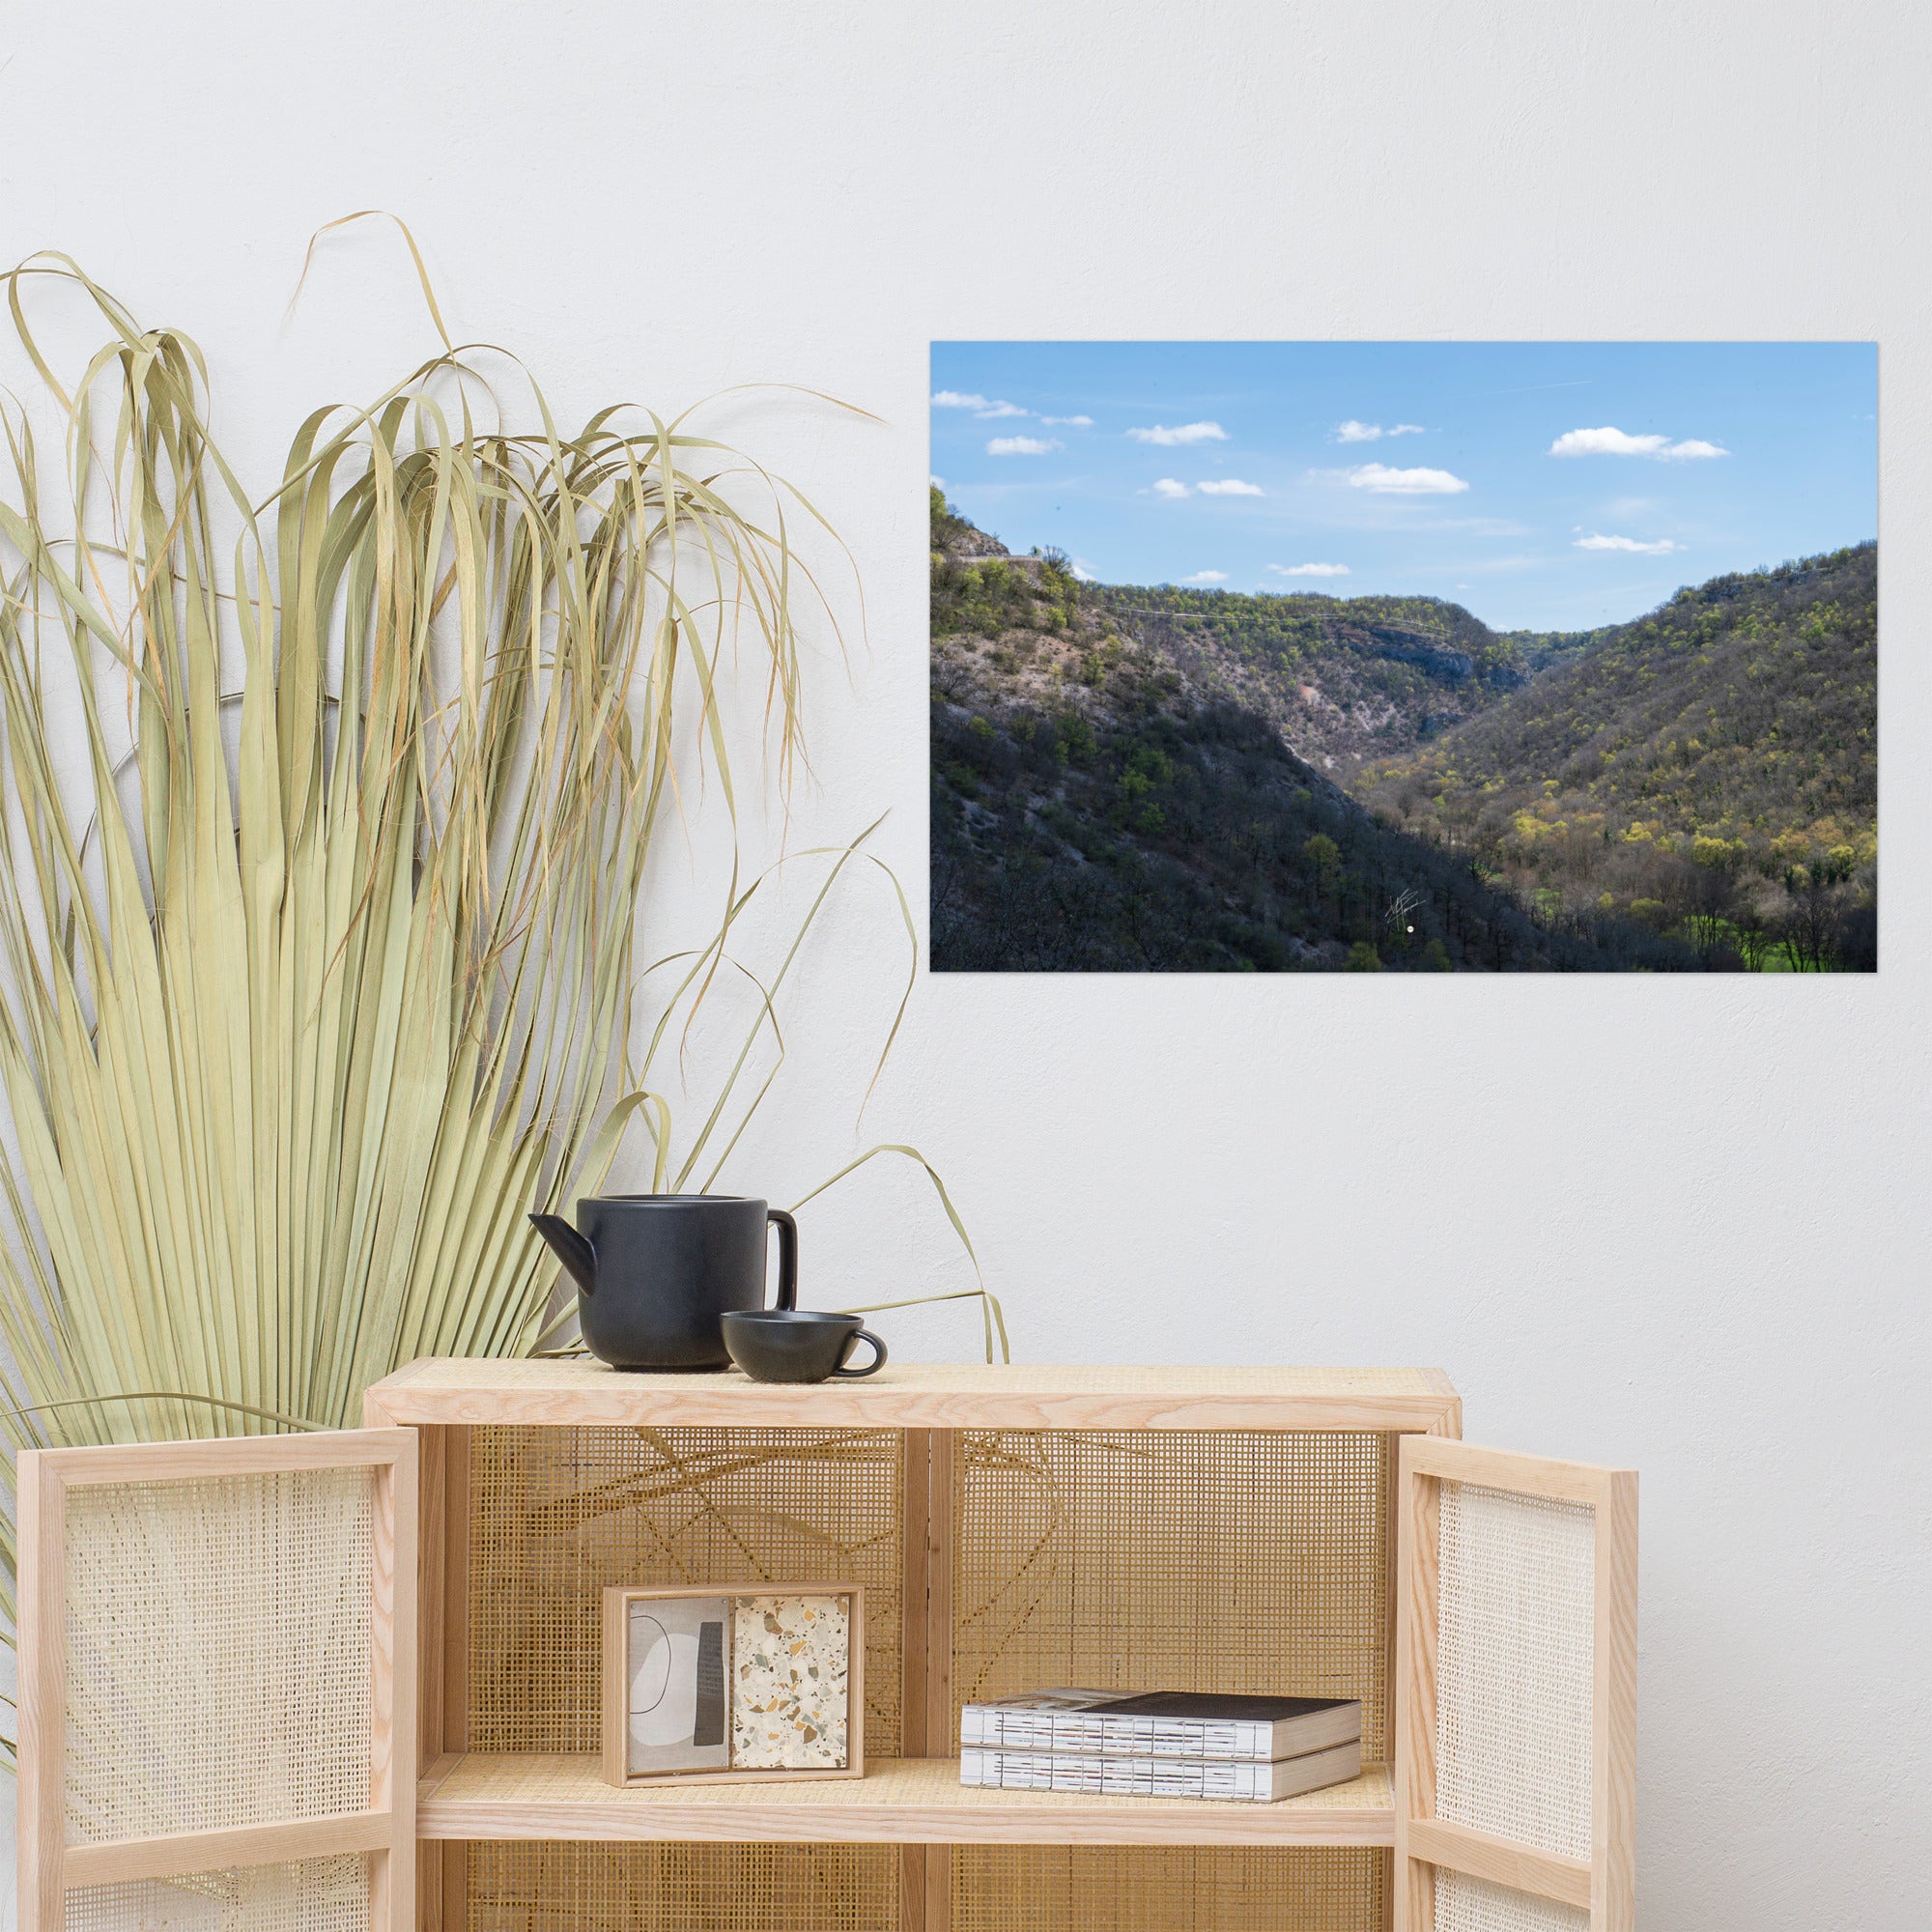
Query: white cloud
(1606, 441)
(1200, 431)
(1609, 441)
(937, 482)
(1662, 547)
(956, 399)
(1352, 431)
(1206, 577)
(1022, 446)
(1071, 422)
(1173, 489)
(1083, 571)
(1309, 568)
(1387, 482)
(1000, 410)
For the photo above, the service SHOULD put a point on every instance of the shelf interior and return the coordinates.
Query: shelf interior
(899, 1800)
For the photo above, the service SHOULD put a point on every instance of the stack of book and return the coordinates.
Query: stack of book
(1164, 1743)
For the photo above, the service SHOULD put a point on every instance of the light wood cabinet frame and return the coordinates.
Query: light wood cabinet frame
(50, 1866)
(915, 1801)
(1604, 1885)
(420, 1445)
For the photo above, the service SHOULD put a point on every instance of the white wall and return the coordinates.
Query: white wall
(1677, 1224)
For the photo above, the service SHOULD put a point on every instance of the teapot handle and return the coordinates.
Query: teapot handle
(788, 1257)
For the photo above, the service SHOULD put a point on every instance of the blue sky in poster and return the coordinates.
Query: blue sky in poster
(1543, 485)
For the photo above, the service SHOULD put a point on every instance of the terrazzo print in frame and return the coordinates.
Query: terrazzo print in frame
(791, 1683)
(759, 1686)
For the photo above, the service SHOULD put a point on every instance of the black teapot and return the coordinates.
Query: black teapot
(655, 1272)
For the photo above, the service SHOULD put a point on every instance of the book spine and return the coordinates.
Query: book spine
(1012, 1729)
(1115, 1777)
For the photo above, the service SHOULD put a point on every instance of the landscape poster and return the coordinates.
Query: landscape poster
(1405, 657)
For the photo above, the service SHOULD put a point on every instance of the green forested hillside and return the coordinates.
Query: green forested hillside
(1344, 679)
(1131, 779)
(1550, 650)
(1094, 808)
(1166, 834)
(1710, 770)
(1299, 628)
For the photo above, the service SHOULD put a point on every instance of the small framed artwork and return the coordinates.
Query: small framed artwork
(751, 1685)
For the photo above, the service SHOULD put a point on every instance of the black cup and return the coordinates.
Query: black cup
(790, 1345)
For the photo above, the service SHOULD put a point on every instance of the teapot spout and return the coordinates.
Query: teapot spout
(570, 1248)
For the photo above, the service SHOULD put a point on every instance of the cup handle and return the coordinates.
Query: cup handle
(872, 1367)
(788, 1257)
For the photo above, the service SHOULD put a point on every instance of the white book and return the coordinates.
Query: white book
(1231, 1781)
(1161, 1723)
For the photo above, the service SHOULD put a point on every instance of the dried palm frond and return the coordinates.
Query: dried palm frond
(318, 973)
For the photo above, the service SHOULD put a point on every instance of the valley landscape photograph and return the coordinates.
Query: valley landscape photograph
(1405, 657)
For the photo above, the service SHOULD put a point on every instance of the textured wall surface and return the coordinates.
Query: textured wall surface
(1681, 1225)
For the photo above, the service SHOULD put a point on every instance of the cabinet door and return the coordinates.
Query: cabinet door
(217, 1684)
(1515, 1692)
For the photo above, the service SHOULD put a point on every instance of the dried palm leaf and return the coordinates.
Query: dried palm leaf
(319, 973)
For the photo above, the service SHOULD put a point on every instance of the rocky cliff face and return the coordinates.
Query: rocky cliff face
(1347, 681)
(1103, 800)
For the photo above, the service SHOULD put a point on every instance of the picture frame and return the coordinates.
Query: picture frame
(737, 1683)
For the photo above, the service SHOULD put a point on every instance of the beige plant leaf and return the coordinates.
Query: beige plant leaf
(319, 973)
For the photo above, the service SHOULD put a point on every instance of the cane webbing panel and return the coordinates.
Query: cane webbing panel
(1464, 1904)
(559, 1514)
(1241, 1561)
(1514, 1667)
(532, 1886)
(1139, 1889)
(313, 1895)
(217, 1652)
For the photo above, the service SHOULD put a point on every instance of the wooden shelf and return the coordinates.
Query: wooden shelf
(898, 1801)
(579, 1391)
